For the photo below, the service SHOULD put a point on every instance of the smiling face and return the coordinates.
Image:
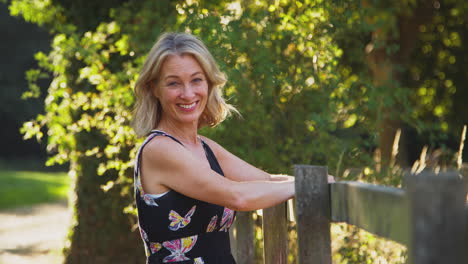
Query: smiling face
(182, 90)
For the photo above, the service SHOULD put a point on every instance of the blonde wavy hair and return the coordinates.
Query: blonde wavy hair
(148, 111)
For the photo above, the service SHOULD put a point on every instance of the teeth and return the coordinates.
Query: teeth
(188, 106)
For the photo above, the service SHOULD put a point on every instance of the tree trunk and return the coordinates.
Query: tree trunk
(382, 68)
(101, 232)
(386, 68)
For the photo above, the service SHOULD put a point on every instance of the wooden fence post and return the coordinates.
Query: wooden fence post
(275, 235)
(313, 214)
(464, 172)
(466, 234)
(242, 238)
(437, 215)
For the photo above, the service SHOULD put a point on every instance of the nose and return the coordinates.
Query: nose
(188, 92)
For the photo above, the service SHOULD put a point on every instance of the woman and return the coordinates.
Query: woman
(188, 187)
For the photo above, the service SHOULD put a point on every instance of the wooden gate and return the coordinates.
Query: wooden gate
(429, 215)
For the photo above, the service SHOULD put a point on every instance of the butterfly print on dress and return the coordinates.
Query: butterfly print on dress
(155, 247)
(212, 225)
(178, 248)
(143, 234)
(178, 221)
(226, 221)
(198, 261)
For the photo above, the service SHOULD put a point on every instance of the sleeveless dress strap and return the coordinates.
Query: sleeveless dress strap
(159, 132)
(150, 136)
(212, 158)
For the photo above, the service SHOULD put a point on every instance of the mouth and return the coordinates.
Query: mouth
(188, 107)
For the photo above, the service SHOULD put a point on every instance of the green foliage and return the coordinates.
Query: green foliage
(353, 245)
(24, 188)
(39, 12)
(283, 83)
(422, 48)
(435, 73)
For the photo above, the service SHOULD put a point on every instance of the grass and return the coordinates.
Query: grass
(23, 188)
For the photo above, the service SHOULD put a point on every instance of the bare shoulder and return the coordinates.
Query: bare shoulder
(162, 158)
(160, 150)
(158, 144)
(169, 165)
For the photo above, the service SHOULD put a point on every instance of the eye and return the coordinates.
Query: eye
(197, 80)
(171, 84)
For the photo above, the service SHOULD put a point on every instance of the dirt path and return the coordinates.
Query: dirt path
(33, 234)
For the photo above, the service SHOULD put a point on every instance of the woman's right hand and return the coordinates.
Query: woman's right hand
(281, 177)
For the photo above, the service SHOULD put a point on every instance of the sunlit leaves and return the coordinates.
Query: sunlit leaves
(37, 11)
(31, 129)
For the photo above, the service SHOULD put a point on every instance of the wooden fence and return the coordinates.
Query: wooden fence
(429, 215)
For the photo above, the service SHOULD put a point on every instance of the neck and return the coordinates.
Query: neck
(188, 134)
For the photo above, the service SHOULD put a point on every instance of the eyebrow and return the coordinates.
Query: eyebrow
(175, 76)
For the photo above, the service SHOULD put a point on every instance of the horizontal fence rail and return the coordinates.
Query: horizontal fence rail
(377, 209)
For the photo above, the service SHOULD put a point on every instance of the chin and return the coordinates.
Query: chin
(190, 120)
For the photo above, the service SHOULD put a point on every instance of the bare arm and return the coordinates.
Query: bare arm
(236, 169)
(166, 164)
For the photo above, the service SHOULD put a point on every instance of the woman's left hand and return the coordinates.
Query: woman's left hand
(331, 179)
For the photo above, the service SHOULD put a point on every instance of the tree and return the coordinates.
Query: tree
(403, 53)
(101, 231)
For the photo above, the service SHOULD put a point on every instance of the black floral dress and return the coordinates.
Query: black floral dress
(179, 229)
